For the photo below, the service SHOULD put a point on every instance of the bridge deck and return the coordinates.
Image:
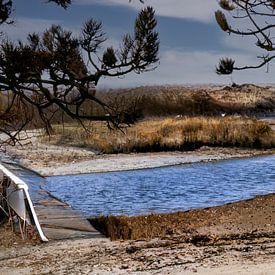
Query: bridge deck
(57, 219)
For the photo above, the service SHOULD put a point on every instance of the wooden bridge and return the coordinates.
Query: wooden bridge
(56, 219)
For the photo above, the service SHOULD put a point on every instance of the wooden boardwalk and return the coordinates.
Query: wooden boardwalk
(58, 220)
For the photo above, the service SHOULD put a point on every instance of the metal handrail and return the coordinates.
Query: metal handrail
(21, 185)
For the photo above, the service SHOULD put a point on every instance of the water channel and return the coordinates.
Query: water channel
(166, 189)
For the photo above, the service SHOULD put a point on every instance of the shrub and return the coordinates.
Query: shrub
(170, 134)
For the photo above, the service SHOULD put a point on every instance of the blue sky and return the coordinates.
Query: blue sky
(191, 41)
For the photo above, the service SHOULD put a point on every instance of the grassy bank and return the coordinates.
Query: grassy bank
(168, 134)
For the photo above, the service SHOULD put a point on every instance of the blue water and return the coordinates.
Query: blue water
(166, 189)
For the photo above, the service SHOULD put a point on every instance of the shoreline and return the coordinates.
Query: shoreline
(60, 161)
(204, 160)
(236, 238)
(240, 242)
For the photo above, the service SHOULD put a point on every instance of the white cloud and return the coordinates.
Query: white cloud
(198, 10)
(240, 43)
(23, 26)
(179, 67)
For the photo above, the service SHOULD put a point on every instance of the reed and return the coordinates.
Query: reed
(168, 134)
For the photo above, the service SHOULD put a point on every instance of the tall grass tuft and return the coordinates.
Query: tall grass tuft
(170, 134)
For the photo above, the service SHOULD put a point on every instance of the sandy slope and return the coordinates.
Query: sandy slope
(243, 244)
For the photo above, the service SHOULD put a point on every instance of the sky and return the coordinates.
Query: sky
(191, 43)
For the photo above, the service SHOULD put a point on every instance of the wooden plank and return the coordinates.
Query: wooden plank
(62, 234)
(57, 219)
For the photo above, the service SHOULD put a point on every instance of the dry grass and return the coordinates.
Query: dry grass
(232, 217)
(151, 101)
(139, 227)
(10, 238)
(152, 226)
(170, 134)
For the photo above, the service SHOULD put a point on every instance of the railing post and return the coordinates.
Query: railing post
(10, 185)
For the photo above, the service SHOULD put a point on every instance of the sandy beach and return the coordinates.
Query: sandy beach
(238, 239)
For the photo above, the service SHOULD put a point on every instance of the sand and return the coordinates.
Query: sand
(250, 253)
(239, 240)
(51, 160)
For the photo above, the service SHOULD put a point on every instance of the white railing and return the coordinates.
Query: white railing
(16, 195)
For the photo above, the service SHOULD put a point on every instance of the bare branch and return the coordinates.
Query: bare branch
(257, 17)
(48, 74)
